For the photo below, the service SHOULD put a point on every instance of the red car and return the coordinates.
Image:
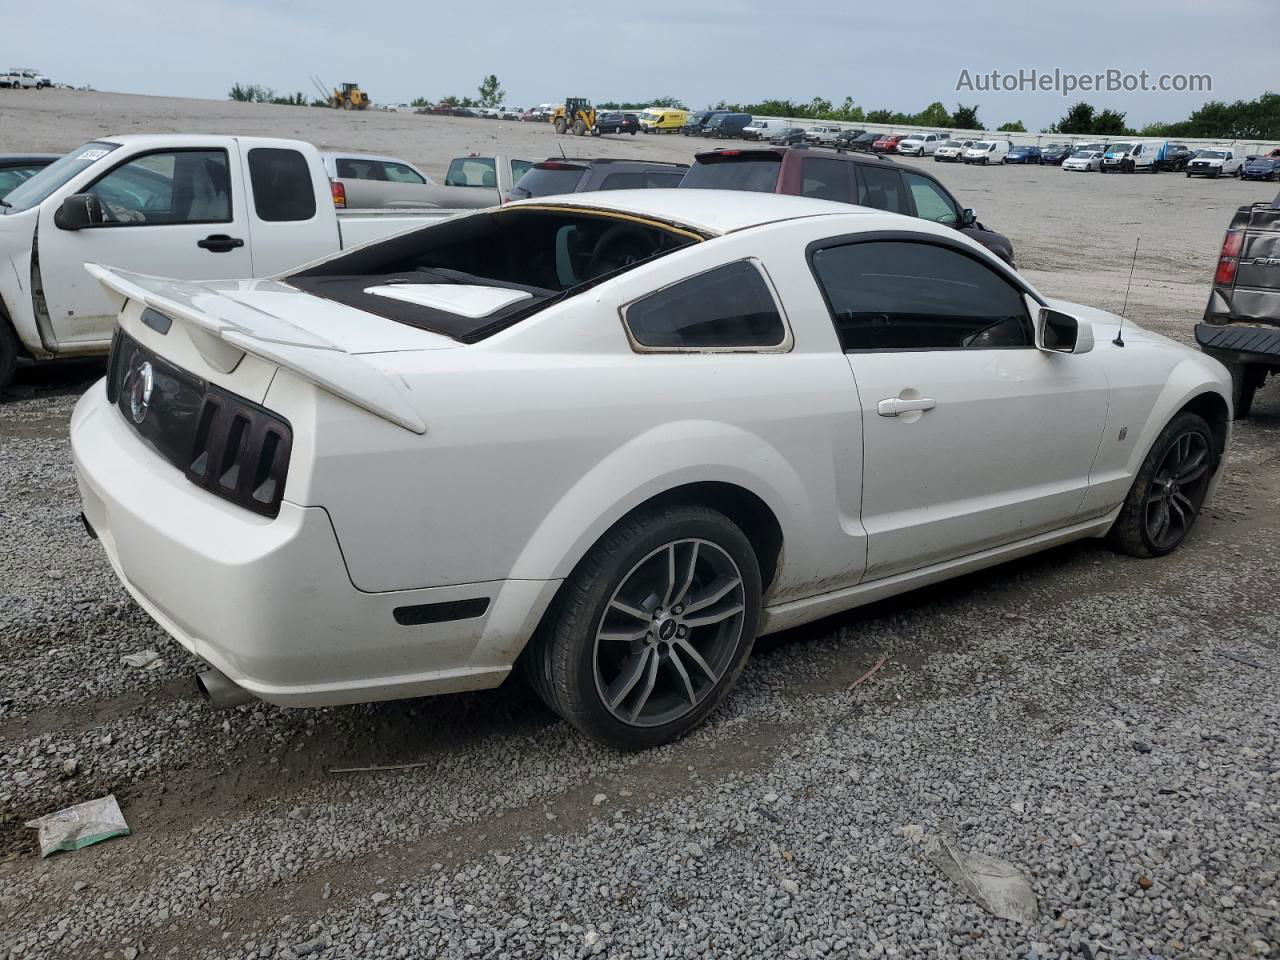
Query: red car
(887, 144)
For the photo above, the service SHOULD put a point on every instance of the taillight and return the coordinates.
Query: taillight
(339, 194)
(1229, 258)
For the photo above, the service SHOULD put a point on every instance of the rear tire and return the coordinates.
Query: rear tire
(670, 671)
(1246, 378)
(1169, 490)
(579, 128)
(8, 352)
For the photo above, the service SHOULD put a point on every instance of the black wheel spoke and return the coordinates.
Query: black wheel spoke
(650, 680)
(626, 681)
(636, 612)
(713, 594)
(678, 665)
(714, 616)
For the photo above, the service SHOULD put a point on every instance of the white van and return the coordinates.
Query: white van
(1131, 156)
(763, 129)
(987, 152)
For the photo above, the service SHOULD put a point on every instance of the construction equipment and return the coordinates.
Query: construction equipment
(576, 116)
(349, 97)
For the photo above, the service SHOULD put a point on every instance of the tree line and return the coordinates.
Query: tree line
(1257, 119)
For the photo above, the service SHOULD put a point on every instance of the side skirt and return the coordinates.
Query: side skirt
(794, 613)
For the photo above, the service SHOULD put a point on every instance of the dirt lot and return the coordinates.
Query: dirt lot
(1108, 725)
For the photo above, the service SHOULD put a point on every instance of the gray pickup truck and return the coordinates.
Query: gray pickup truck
(1241, 325)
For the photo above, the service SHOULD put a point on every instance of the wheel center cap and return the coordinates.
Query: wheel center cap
(666, 629)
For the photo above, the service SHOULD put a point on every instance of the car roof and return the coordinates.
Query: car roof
(708, 211)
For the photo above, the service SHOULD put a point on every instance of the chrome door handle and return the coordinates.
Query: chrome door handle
(894, 406)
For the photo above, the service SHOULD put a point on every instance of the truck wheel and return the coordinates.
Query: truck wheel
(652, 628)
(579, 128)
(1168, 491)
(561, 125)
(1246, 378)
(8, 352)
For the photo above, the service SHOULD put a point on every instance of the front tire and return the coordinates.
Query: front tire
(1168, 491)
(652, 628)
(8, 352)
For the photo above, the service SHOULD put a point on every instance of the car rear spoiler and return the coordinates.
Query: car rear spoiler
(269, 337)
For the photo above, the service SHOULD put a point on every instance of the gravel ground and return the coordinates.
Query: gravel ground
(1105, 724)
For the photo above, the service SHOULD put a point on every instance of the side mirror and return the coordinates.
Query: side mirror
(1058, 332)
(968, 217)
(78, 211)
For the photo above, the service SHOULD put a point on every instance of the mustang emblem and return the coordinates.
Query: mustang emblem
(140, 392)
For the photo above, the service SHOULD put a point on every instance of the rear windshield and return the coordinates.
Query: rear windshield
(472, 172)
(547, 182)
(533, 256)
(755, 172)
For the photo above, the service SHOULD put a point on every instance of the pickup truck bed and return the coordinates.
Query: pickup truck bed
(1241, 324)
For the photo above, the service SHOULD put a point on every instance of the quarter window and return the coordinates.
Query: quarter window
(282, 188)
(824, 179)
(904, 295)
(188, 186)
(932, 202)
(729, 307)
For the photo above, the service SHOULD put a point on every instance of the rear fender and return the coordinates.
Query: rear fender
(645, 467)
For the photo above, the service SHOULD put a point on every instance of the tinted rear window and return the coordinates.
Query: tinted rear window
(541, 182)
(281, 181)
(757, 173)
(728, 307)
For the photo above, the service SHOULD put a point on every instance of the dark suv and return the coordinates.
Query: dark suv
(617, 122)
(578, 175)
(846, 177)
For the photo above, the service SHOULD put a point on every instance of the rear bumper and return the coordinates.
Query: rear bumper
(1239, 343)
(269, 601)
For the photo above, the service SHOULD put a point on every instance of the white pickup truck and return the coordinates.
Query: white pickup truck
(173, 205)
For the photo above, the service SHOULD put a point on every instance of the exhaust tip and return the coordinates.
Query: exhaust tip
(219, 691)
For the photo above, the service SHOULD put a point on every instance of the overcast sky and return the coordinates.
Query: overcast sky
(900, 55)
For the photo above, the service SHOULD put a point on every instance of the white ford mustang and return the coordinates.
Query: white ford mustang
(614, 438)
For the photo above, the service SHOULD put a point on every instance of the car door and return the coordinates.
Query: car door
(972, 437)
(171, 213)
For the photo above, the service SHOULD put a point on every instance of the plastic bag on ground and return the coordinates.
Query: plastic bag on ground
(81, 825)
(996, 885)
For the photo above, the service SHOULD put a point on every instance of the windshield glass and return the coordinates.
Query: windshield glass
(52, 177)
(1120, 148)
(1083, 155)
(1212, 154)
(754, 173)
(981, 145)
